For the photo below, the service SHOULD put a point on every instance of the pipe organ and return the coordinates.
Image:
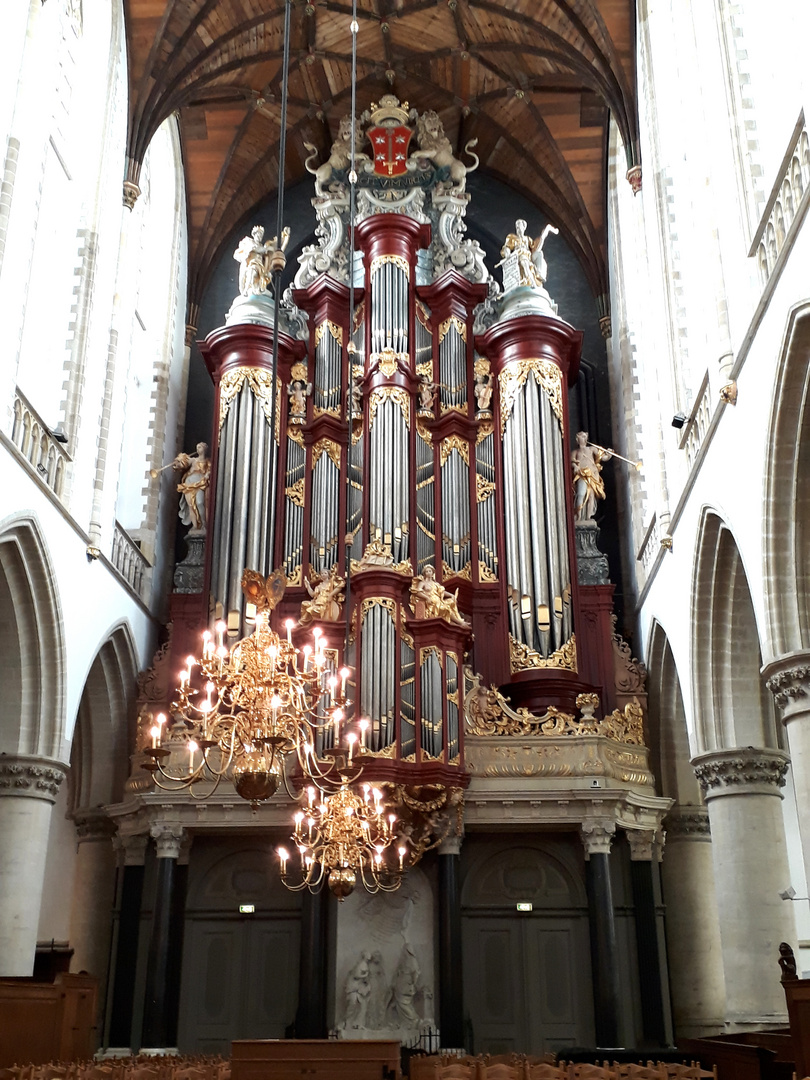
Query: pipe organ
(437, 474)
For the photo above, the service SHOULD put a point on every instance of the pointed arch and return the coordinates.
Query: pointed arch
(786, 498)
(669, 736)
(732, 706)
(103, 735)
(32, 708)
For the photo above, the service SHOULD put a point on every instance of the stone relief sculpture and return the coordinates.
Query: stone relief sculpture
(430, 600)
(586, 462)
(193, 487)
(327, 597)
(356, 994)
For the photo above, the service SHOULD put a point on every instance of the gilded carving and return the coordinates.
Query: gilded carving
(376, 601)
(395, 260)
(395, 394)
(326, 446)
(521, 657)
(483, 488)
(295, 492)
(260, 383)
(455, 322)
(484, 572)
(451, 443)
(333, 328)
(546, 374)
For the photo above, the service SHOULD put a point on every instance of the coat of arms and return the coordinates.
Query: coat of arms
(389, 135)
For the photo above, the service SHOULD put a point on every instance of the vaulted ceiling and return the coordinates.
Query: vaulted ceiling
(533, 80)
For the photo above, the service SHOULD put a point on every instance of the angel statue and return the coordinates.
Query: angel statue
(298, 391)
(327, 596)
(193, 486)
(586, 462)
(258, 259)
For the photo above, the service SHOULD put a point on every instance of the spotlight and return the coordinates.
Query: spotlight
(59, 434)
(787, 894)
(679, 419)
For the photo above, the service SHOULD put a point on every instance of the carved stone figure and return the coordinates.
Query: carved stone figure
(339, 158)
(327, 596)
(430, 599)
(193, 486)
(787, 962)
(531, 263)
(356, 993)
(483, 393)
(254, 255)
(404, 990)
(356, 399)
(586, 462)
(434, 144)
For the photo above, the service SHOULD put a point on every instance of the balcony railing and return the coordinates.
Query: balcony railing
(36, 443)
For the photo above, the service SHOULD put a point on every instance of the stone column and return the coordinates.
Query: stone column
(160, 1005)
(653, 980)
(93, 894)
(28, 789)
(451, 982)
(788, 679)
(696, 978)
(742, 791)
(310, 1019)
(122, 989)
(597, 837)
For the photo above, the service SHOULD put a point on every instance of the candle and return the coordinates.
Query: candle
(192, 746)
(289, 624)
(363, 729)
(154, 732)
(311, 795)
(402, 853)
(283, 856)
(351, 739)
(344, 675)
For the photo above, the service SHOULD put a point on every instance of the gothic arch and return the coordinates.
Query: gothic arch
(102, 735)
(669, 737)
(731, 704)
(786, 503)
(32, 713)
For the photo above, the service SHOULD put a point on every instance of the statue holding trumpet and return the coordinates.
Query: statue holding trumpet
(193, 486)
(586, 462)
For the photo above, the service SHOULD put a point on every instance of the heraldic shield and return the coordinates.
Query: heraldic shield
(390, 149)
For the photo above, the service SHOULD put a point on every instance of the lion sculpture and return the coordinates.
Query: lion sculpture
(339, 159)
(434, 144)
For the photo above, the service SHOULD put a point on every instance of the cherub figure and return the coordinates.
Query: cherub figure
(298, 391)
(327, 597)
(427, 392)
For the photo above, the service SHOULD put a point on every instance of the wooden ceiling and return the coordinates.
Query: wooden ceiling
(533, 80)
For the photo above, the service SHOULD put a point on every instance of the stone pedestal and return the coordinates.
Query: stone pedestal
(28, 789)
(742, 791)
(696, 977)
(189, 575)
(592, 564)
(788, 679)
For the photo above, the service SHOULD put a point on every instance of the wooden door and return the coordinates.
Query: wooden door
(240, 981)
(527, 982)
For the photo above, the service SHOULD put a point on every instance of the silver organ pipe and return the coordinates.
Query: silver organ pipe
(455, 504)
(453, 365)
(327, 368)
(451, 662)
(485, 498)
(432, 695)
(425, 491)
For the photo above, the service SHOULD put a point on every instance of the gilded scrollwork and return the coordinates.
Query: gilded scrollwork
(396, 260)
(485, 573)
(326, 446)
(295, 492)
(451, 443)
(483, 488)
(260, 383)
(333, 328)
(453, 321)
(521, 657)
(394, 393)
(546, 374)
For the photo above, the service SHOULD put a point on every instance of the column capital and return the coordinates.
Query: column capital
(646, 845)
(451, 845)
(168, 838)
(597, 836)
(31, 777)
(133, 846)
(743, 770)
(93, 825)
(688, 823)
(788, 679)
